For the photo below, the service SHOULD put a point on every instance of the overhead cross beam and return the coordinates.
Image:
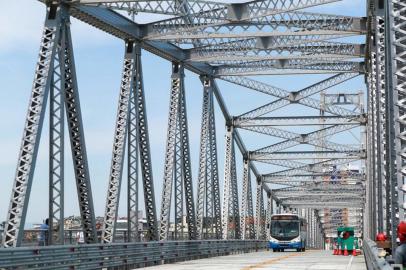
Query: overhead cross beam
(246, 48)
(287, 97)
(222, 14)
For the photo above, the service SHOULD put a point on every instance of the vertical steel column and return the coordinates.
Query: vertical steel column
(309, 227)
(374, 143)
(235, 209)
(370, 206)
(244, 199)
(215, 189)
(177, 177)
(77, 139)
(117, 162)
(251, 218)
(204, 198)
(314, 222)
(145, 156)
(229, 144)
(260, 222)
(307, 217)
(395, 106)
(186, 167)
(14, 227)
(177, 74)
(208, 194)
(381, 99)
(247, 217)
(177, 128)
(133, 153)
(269, 210)
(380, 86)
(312, 228)
(56, 154)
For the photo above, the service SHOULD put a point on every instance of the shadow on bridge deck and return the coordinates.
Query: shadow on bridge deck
(309, 260)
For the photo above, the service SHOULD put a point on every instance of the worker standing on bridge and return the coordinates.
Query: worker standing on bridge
(43, 234)
(400, 255)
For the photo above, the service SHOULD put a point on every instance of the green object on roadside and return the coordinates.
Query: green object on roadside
(345, 238)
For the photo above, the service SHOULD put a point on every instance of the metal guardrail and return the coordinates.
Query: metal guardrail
(31, 236)
(371, 257)
(121, 255)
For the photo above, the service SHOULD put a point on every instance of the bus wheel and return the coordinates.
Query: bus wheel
(298, 249)
(274, 249)
(282, 250)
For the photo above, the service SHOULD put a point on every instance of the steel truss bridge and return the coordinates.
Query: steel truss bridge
(322, 174)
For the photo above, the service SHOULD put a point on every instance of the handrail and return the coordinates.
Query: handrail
(373, 261)
(121, 255)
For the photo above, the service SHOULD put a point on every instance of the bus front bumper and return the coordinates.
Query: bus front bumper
(274, 245)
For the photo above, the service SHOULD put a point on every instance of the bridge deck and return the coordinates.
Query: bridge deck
(309, 260)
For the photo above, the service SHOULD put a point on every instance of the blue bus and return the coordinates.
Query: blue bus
(287, 231)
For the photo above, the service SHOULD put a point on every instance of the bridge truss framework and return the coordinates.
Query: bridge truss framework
(231, 42)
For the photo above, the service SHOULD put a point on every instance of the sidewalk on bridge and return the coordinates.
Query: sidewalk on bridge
(309, 260)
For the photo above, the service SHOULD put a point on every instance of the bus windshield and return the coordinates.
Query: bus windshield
(284, 229)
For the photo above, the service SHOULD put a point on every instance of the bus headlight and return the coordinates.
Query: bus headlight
(296, 240)
(273, 240)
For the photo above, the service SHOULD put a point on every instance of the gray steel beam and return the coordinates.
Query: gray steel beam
(263, 46)
(133, 156)
(289, 67)
(246, 188)
(56, 154)
(287, 97)
(229, 145)
(297, 155)
(14, 228)
(120, 135)
(308, 120)
(208, 197)
(78, 145)
(287, 21)
(145, 156)
(394, 35)
(177, 158)
(235, 12)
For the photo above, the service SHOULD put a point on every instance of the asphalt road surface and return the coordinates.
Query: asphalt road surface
(309, 260)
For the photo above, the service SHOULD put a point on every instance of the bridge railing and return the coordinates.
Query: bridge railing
(31, 236)
(373, 261)
(71, 236)
(121, 255)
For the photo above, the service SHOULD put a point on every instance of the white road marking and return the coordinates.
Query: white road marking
(349, 263)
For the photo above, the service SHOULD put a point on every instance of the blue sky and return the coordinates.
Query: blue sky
(98, 59)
